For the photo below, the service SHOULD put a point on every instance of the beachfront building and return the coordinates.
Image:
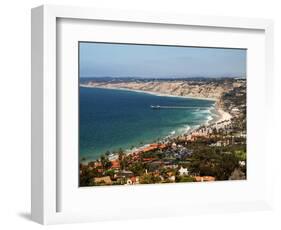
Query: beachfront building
(151, 147)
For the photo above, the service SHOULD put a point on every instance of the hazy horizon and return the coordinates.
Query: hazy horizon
(109, 60)
(163, 78)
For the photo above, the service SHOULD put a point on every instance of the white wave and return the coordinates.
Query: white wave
(206, 111)
(187, 128)
(183, 129)
(173, 132)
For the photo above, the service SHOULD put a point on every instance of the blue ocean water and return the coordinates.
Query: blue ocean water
(112, 119)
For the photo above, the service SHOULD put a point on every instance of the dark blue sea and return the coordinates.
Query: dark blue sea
(112, 119)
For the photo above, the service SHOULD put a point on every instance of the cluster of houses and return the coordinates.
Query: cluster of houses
(122, 176)
(127, 177)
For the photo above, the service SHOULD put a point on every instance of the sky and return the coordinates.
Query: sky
(153, 61)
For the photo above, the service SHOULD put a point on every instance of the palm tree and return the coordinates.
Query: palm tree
(107, 153)
(105, 162)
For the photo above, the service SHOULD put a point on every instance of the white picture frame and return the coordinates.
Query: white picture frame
(45, 162)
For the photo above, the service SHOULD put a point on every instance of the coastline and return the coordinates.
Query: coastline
(149, 92)
(218, 116)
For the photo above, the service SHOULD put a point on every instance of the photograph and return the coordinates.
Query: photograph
(155, 114)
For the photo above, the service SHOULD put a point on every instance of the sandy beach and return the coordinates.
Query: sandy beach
(223, 115)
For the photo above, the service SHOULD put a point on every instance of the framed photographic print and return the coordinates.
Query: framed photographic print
(151, 114)
(154, 114)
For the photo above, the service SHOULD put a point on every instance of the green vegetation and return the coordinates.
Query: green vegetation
(185, 179)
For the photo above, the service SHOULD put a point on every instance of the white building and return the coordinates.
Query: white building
(242, 163)
(183, 171)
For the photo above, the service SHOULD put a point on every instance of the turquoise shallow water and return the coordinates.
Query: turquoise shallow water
(112, 119)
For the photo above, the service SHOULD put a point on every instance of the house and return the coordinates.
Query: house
(133, 180)
(170, 166)
(149, 159)
(149, 148)
(135, 155)
(100, 170)
(124, 174)
(157, 146)
(154, 145)
(172, 178)
(97, 164)
(115, 164)
(103, 180)
(183, 171)
(152, 166)
(170, 174)
(242, 163)
(235, 111)
(168, 162)
(162, 146)
(111, 156)
(204, 178)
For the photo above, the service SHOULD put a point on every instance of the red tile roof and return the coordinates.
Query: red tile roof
(115, 164)
(204, 178)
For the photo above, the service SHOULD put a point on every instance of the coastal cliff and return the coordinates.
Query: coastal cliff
(198, 89)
